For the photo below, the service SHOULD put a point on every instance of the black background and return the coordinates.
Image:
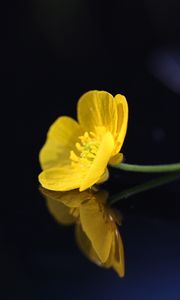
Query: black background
(53, 52)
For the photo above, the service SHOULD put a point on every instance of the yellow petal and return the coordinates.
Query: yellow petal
(97, 109)
(62, 179)
(122, 122)
(61, 139)
(60, 212)
(95, 226)
(104, 177)
(116, 257)
(71, 199)
(98, 167)
(85, 245)
(115, 160)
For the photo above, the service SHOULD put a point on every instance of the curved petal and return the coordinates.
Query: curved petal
(62, 178)
(97, 109)
(85, 245)
(61, 139)
(72, 199)
(116, 257)
(60, 212)
(104, 177)
(98, 167)
(96, 227)
(117, 159)
(122, 122)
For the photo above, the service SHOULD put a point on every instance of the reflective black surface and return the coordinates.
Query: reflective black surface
(39, 258)
(54, 52)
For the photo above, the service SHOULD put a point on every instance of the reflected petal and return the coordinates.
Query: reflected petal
(95, 224)
(71, 199)
(116, 257)
(85, 245)
(60, 212)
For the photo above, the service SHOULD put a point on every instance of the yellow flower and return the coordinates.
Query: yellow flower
(96, 231)
(76, 154)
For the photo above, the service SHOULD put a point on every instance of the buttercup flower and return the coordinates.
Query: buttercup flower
(96, 228)
(76, 154)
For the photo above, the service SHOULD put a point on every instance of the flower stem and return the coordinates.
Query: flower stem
(144, 187)
(148, 168)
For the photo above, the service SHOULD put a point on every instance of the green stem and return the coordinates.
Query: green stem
(148, 169)
(144, 187)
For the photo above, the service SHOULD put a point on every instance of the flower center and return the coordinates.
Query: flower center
(86, 149)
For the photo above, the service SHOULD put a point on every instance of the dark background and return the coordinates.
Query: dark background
(53, 52)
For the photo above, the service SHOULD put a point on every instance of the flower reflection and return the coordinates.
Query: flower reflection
(96, 224)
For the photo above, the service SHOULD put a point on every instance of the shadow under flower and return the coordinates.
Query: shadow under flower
(96, 224)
